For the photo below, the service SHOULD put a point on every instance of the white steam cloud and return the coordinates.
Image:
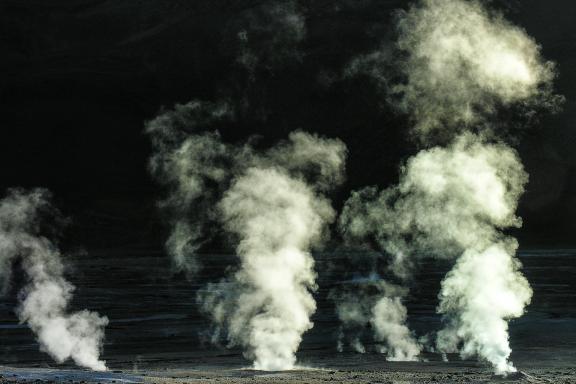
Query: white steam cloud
(478, 296)
(459, 64)
(448, 199)
(77, 336)
(196, 167)
(269, 203)
(277, 219)
(462, 62)
(452, 202)
(276, 211)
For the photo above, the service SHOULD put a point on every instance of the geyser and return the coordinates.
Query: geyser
(276, 211)
(277, 219)
(270, 204)
(45, 298)
(453, 202)
(379, 305)
(459, 65)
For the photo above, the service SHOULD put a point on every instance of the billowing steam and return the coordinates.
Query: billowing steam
(276, 210)
(270, 204)
(77, 336)
(277, 219)
(453, 202)
(460, 65)
(478, 296)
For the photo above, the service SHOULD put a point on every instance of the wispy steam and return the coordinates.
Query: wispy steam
(191, 164)
(353, 311)
(197, 167)
(268, 36)
(448, 199)
(77, 336)
(459, 65)
(453, 202)
(277, 219)
(380, 307)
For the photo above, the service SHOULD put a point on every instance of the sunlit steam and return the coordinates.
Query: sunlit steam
(277, 219)
(452, 203)
(77, 336)
(459, 64)
(276, 210)
(269, 203)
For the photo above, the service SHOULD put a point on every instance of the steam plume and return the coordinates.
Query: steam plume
(448, 199)
(459, 64)
(452, 202)
(277, 219)
(77, 336)
(276, 211)
(270, 203)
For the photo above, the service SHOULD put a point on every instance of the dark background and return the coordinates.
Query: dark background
(78, 79)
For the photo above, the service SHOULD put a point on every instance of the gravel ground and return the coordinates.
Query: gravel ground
(381, 377)
(416, 373)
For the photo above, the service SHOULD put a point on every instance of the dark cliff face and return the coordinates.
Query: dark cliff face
(79, 78)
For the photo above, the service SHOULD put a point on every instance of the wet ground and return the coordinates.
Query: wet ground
(157, 335)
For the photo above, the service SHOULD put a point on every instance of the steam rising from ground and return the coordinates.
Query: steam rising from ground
(459, 65)
(278, 219)
(77, 336)
(270, 204)
(478, 296)
(448, 199)
(379, 306)
(276, 210)
(452, 202)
